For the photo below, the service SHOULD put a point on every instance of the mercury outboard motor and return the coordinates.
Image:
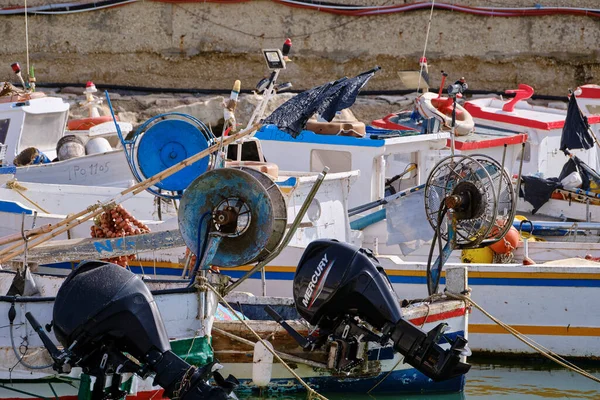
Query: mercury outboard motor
(109, 324)
(344, 292)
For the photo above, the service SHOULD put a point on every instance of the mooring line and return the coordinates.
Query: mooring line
(311, 392)
(549, 354)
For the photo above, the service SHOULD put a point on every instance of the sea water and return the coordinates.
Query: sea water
(496, 381)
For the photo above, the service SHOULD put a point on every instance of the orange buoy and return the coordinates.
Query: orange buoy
(84, 124)
(508, 243)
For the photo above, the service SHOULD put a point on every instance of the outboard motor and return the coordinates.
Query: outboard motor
(344, 292)
(109, 324)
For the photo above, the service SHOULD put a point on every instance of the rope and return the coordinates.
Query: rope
(26, 37)
(549, 354)
(426, 41)
(14, 185)
(311, 392)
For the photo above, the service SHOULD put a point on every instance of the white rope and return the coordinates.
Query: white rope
(26, 37)
(425, 48)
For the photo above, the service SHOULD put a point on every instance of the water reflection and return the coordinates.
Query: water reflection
(532, 380)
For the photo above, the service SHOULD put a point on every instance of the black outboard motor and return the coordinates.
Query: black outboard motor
(346, 294)
(103, 312)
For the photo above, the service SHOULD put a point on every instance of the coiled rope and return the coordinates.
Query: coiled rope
(549, 354)
(312, 394)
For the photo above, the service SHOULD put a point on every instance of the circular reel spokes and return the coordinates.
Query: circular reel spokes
(238, 207)
(466, 189)
(505, 199)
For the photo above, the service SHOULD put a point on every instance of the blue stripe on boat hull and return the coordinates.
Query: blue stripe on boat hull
(417, 280)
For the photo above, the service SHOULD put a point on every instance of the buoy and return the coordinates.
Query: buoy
(484, 255)
(69, 146)
(97, 146)
(508, 243)
(262, 364)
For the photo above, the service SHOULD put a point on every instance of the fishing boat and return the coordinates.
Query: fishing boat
(188, 314)
(383, 155)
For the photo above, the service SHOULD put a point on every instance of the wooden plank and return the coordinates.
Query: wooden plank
(98, 248)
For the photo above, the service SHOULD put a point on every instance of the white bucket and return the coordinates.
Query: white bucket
(97, 145)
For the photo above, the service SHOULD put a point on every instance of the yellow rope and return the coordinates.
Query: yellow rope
(549, 354)
(311, 392)
(14, 185)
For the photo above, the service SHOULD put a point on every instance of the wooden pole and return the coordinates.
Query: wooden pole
(90, 212)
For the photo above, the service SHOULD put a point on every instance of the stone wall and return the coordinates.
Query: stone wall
(209, 45)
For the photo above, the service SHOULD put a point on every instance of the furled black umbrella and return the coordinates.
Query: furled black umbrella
(325, 100)
(576, 131)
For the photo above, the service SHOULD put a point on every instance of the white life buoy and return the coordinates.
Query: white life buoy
(430, 105)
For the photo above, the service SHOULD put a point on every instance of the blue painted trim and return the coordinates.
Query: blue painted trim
(8, 170)
(162, 271)
(421, 280)
(14, 207)
(417, 280)
(367, 220)
(271, 132)
(291, 182)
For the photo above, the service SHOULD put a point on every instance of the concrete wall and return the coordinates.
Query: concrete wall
(209, 45)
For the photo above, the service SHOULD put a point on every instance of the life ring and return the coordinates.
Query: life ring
(430, 105)
(84, 124)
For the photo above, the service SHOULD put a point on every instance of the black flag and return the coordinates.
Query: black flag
(576, 131)
(326, 100)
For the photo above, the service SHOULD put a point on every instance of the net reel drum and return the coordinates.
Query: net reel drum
(470, 203)
(231, 217)
(163, 141)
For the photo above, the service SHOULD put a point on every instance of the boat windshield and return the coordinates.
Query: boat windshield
(43, 131)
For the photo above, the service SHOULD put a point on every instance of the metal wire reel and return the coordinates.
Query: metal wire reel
(279, 209)
(470, 203)
(227, 218)
(164, 141)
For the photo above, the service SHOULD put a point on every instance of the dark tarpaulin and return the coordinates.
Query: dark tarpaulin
(576, 131)
(537, 191)
(588, 175)
(326, 100)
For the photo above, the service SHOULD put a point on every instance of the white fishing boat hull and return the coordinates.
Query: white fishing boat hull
(179, 313)
(550, 303)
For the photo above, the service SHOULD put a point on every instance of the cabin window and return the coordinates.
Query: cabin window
(526, 153)
(337, 161)
(250, 151)
(42, 131)
(4, 123)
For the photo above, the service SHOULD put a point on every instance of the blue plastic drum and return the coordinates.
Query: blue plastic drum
(165, 144)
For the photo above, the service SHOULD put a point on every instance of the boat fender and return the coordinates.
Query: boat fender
(262, 364)
(97, 145)
(69, 146)
(430, 106)
(508, 243)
